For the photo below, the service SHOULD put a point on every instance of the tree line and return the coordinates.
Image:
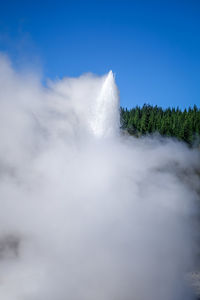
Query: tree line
(170, 122)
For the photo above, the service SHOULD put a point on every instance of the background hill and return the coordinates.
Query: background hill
(171, 122)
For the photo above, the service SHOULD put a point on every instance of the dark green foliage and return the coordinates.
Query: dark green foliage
(171, 122)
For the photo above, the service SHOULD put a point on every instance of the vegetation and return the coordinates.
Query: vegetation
(171, 122)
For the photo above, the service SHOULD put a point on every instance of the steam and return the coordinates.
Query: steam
(87, 213)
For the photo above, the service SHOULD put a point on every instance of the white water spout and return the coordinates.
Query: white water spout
(105, 118)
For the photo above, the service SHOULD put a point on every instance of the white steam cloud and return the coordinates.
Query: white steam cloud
(87, 213)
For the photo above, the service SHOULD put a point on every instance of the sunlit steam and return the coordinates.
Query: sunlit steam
(87, 213)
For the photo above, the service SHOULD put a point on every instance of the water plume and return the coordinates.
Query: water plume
(105, 118)
(87, 213)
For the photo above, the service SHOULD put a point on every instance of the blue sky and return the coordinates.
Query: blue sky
(153, 47)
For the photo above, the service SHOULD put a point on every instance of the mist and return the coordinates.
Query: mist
(88, 212)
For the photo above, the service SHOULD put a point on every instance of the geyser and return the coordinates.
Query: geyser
(86, 213)
(105, 118)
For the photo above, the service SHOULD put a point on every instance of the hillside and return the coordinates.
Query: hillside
(184, 125)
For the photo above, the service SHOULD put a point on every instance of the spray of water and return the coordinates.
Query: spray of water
(86, 213)
(105, 118)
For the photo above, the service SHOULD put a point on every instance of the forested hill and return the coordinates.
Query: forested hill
(184, 125)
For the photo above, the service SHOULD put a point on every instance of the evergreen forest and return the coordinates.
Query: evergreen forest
(170, 122)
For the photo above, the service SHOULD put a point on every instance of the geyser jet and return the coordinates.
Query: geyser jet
(105, 117)
(85, 218)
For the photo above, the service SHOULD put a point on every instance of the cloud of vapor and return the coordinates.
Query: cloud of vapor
(86, 212)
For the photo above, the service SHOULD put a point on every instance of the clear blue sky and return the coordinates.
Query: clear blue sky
(153, 47)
